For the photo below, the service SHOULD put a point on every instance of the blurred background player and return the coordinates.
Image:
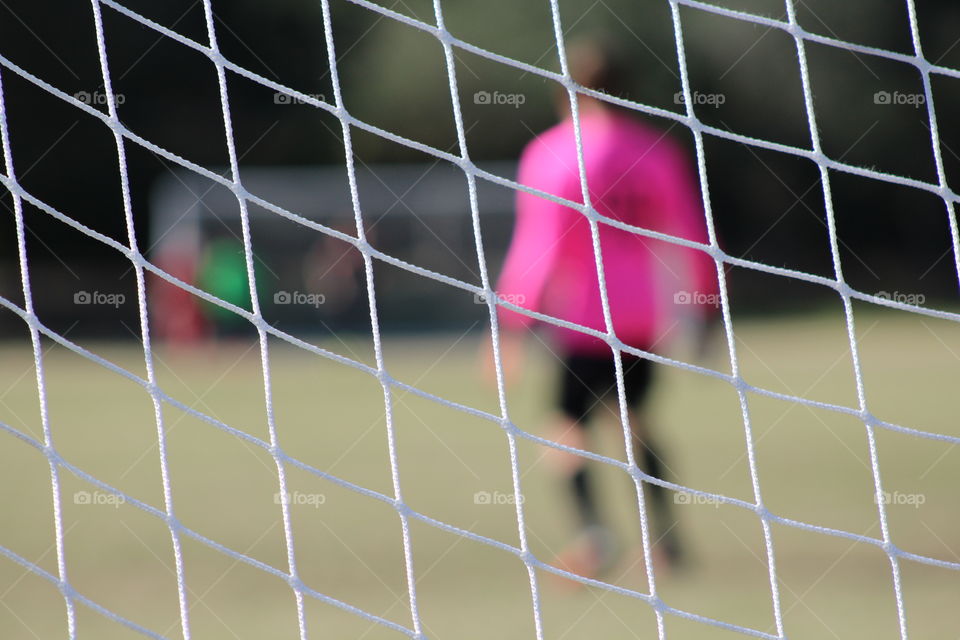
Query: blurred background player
(223, 273)
(639, 176)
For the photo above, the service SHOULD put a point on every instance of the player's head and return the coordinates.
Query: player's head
(595, 63)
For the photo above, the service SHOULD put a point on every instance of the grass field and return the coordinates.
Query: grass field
(813, 466)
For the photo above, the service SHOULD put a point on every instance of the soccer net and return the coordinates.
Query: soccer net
(285, 460)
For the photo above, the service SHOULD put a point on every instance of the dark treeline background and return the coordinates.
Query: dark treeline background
(768, 206)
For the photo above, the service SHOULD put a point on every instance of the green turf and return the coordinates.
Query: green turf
(813, 466)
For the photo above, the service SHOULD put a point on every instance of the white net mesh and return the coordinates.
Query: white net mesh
(285, 460)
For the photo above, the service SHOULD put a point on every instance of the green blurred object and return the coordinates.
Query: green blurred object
(223, 273)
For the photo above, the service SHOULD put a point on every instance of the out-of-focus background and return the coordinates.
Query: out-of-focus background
(813, 465)
(768, 206)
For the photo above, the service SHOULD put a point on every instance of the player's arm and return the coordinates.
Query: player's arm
(689, 222)
(531, 257)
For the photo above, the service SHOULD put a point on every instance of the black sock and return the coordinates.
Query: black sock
(658, 495)
(581, 486)
(663, 520)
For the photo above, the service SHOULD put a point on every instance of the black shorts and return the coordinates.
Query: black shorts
(587, 380)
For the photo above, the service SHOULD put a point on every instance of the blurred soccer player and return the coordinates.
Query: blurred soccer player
(223, 273)
(636, 175)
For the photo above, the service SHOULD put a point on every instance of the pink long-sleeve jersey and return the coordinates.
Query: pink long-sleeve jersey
(637, 175)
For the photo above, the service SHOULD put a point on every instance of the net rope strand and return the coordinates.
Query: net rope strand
(727, 320)
(119, 141)
(934, 131)
(848, 316)
(32, 322)
(257, 319)
(403, 510)
(526, 555)
(141, 265)
(636, 474)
